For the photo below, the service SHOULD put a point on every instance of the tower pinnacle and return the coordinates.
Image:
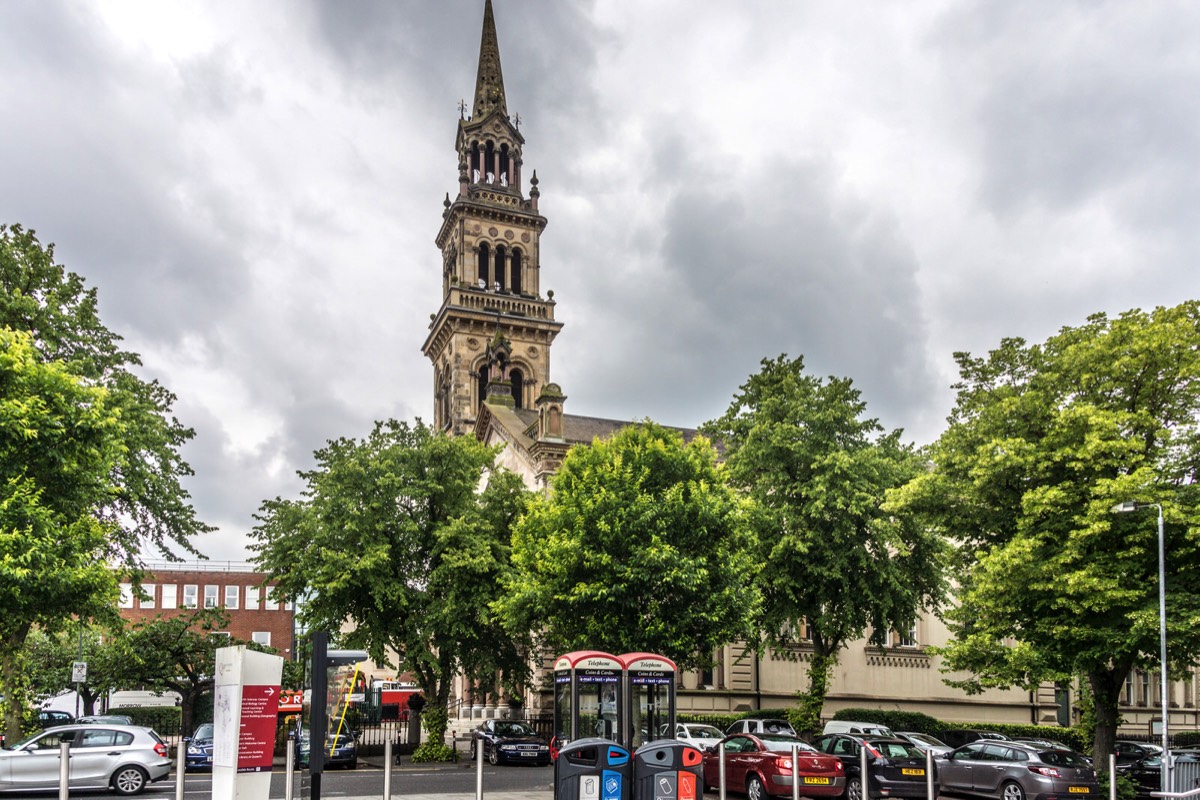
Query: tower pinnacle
(489, 84)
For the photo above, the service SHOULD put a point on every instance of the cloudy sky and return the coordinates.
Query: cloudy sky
(254, 189)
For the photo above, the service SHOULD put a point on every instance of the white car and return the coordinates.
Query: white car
(699, 736)
(123, 758)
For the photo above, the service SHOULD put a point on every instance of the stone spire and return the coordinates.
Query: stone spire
(489, 84)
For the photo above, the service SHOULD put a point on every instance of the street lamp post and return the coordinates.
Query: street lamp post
(1127, 507)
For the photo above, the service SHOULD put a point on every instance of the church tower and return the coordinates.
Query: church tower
(490, 340)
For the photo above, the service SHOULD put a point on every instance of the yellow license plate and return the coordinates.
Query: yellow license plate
(817, 781)
(912, 772)
(1078, 789)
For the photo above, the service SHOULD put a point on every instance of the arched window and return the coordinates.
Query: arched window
(505, 169)
(476, 165)
(518, 387)
(485, 255)
(489, 163)
(499, 273)
(516, 271)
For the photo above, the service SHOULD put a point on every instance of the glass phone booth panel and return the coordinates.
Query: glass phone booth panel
(588, 698)
(651, 680)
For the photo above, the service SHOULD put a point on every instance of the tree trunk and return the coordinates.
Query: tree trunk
(812, 702)
(1106, 692)
(13, 682)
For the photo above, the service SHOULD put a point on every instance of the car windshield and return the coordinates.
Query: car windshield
(1062, 758)
(776, 726)
(784, 744)
(703, 732)
(920, 737)
(24, 741)
(894, 748)
(514, 729)
(205, 731)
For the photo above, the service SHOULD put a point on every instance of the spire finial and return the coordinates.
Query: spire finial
(489, 83)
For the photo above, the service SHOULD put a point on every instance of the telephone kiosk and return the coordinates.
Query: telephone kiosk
(614, 729)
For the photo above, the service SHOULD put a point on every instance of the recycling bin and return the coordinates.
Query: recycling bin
(592, 769)
(668, 770)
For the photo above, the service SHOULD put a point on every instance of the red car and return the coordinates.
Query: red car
(761, 765)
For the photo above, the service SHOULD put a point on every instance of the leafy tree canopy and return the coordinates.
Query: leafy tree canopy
(833, 565)
(59, 440)
(394, 536)
(177, 654)
(148, 505)
(641, 546)
(50, 658)
(1043, 441)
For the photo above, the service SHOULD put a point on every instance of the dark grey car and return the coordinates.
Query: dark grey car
(1013, 771)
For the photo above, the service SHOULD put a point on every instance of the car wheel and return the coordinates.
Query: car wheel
(1013, 791)
(129, 780)
(854, 789)
(493, 757)
(755, 789)
(353, 764)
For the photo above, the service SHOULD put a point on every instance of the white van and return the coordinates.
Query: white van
(860, 728)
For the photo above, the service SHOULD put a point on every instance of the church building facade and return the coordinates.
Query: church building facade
(489, 344)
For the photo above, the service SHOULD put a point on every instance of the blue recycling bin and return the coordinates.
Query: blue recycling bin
(592, 769)
(668, 770)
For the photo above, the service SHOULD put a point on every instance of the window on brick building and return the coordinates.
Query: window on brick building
(169, 595)
(219, 635)
(210, 596)
(147, 599)
(190, 595)
(126, 595)
(261, 637)
(252, 598)
(232, 596)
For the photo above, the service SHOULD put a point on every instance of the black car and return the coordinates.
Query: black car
(895, 768)
(200, 749)
(512, 741)
(341, 749)
(1127, 752)
(1146, 772)
(48, 718)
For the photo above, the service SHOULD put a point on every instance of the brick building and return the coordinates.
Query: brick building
(255, 615)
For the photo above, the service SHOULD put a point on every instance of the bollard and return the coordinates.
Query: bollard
(1112, 776)
(479, 770)
(387, 769)
(64, 769)
(929, 775)
(866, 792)
(289, 781)
(180, 766)
(795, 772)
(721, 769)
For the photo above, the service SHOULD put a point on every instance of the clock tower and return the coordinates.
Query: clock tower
(490, 340)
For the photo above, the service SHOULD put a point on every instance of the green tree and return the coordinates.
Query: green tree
(1042, 442)
(177, 654)
(393, 536)
(59, 440)
(640, 546)
(50, 656)
(148, 506)
(831, 562)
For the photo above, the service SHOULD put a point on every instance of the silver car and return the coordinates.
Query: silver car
(1014, 771)
(124, 758)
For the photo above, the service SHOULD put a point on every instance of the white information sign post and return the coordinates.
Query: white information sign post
(245, 709)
